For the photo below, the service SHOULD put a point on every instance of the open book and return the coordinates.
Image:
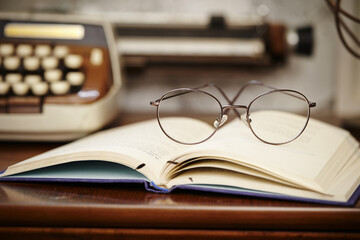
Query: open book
(322, 165)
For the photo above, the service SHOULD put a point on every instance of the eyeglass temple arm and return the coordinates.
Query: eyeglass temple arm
(217, 88)
(156, 102)
(255, 82)
(225, 96)
(252, 82)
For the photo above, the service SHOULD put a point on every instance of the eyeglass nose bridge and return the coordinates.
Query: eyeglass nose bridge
(235, 107)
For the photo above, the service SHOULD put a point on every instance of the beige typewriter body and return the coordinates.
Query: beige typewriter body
(59, 77)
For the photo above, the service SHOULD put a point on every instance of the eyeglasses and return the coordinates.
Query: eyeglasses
(270, 115)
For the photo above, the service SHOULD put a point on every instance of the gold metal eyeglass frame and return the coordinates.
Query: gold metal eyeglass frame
(230, 106)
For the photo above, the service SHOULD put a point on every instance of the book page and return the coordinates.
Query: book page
(242, 182)
(226, 164)
(142, 146)
(348, 179)
(342, 187)
(300, 161)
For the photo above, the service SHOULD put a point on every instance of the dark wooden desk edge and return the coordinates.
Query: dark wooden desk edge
(168, 234)
(182, 217)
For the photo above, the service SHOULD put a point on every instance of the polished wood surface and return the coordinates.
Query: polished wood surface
(98, 211)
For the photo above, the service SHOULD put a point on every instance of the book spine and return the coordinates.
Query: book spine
(152, 187)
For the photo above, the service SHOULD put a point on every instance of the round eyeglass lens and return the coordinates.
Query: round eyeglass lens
(279, 116)
(189, 116)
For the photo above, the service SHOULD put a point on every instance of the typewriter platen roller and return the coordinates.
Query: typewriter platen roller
(249, 40)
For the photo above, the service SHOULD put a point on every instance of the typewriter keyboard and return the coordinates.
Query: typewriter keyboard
(48, 73)
(39, 70)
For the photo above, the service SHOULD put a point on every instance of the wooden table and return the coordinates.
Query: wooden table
(98, 211)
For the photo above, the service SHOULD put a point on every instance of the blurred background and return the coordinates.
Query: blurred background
(167, 44)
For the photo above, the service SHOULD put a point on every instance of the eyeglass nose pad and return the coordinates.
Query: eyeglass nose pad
(244, 119)
(219, 122)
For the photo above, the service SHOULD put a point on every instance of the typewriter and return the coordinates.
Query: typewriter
(59, 76)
